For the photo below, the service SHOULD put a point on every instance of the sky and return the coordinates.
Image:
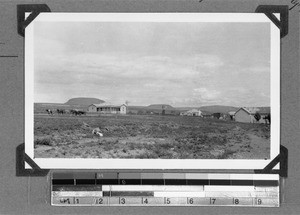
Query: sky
(180, 64)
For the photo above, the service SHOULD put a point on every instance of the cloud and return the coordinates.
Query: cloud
(120, 66)
(259, 69)
(206, 61)
(205, 93)
(148, 79)
(206, 96)
(184, 64)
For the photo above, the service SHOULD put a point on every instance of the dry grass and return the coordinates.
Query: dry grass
(164, 137)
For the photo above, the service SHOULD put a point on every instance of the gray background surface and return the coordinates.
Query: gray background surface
(31, 195)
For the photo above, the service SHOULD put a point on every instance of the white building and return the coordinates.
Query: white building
(193, 112)
(107, 109)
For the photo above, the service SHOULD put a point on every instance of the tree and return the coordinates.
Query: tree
(257, 116)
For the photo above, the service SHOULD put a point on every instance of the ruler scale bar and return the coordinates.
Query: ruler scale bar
(152, 188)
(165, 201)
(77, 193)
(153, 182)
(197, 182)
(163, 182)
(76, 188)
(128, 193)
(85, 181)
(164, 189)
(107, 181)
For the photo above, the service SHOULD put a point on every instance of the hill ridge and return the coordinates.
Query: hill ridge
(160, 106)
(84, 101)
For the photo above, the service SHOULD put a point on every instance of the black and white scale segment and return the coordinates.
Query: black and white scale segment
(164, 189)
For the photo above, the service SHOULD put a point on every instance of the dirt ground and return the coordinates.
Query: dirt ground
(137, 136)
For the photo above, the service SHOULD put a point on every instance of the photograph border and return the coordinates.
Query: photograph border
(85, 163)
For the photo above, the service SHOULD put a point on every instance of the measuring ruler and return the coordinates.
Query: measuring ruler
(164, 189)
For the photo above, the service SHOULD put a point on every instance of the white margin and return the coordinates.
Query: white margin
(159, 164)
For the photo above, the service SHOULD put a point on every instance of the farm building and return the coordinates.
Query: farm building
(247, 114)
(206, 114)
(231, 114)
(107, 109)
(193, 112)
(217, 115)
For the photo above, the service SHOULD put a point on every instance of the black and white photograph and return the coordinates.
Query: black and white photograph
(150, 107)
(165, 87)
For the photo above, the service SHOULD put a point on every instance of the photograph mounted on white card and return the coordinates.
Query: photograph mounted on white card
(152, 91)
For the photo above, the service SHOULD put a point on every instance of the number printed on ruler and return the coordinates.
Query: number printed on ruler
(190, 201)
(212, 201)
(167, 201)
(145, 201)
(236, 201)
(101, 201)
(122, 200)
(258, 201)
(76, 201)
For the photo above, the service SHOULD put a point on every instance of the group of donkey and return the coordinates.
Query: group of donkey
(74, 112)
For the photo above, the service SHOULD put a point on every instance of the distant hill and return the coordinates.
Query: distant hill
(84, 101)
(186, 108)
(218, 109)
(153, 109)
(160, 107)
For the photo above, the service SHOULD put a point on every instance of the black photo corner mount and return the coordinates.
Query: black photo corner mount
(282, 159)
(283, 10)
(34, 10)
(282, 24)
(21, 158)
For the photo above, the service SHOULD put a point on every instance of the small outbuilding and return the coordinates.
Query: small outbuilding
(192, 112)
(243, 115)
(247, 114)
(206, 114)
(217, 115)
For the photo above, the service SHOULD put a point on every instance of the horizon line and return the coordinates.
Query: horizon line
(137, 105)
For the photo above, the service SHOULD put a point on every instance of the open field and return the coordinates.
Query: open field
(166, 137)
